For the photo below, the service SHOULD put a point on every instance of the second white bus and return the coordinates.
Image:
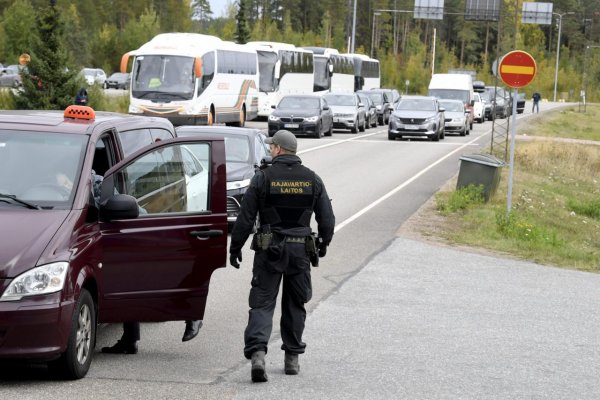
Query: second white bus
(283, 69)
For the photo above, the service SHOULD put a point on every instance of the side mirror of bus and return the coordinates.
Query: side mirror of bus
(277, 69)
(330, 69)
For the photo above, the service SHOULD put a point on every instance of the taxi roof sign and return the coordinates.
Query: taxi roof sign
(517, 69)
(80, 112)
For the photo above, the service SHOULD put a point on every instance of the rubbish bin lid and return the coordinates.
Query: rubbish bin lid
(485, 159)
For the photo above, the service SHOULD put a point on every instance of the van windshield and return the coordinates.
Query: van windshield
(451, 94)
(40, 167)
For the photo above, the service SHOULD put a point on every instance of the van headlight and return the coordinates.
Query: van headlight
(49, 278)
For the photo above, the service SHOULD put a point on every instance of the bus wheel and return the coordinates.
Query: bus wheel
(242, 120)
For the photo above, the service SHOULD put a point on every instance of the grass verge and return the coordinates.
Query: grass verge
(555, 218)
(567, 123)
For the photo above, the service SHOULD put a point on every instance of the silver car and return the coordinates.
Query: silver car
(456, 117)
(348, 111)
(417, 116)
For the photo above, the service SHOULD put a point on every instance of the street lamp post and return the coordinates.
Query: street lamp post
(373, 33)
(353, 29)
(558, 49)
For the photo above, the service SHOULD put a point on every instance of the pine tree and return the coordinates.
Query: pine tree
(242, 33)
(47, 83)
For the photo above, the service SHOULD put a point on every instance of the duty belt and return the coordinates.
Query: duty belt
(293, 239)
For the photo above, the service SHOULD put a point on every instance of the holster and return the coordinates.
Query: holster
(312, 250)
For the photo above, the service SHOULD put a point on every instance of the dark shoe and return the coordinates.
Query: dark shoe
(191, 330)
(258, 367)
(121, 347)
(291, 364)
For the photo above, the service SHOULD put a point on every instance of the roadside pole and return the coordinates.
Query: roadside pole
(516, 69)
(513, 136)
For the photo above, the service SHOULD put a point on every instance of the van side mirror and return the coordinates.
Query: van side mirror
(119, 206)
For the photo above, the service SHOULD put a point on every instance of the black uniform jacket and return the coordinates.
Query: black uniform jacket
(250, 205)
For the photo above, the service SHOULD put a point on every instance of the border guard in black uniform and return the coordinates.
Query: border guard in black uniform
(284, 196)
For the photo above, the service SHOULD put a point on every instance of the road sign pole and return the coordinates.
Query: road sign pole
(513, 135)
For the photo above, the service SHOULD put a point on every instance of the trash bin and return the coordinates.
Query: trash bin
(480, 169)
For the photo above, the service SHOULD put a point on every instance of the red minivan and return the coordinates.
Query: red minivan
(103, 218)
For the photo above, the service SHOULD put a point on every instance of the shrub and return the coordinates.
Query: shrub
(461, 199)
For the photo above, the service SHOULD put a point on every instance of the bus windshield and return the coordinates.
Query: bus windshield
(163, 77)
(266, 67)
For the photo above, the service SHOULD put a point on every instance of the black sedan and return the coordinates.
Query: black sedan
(245, 151)
(308, 115)
(117, 80)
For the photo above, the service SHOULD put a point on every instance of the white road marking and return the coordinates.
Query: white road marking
(403, 185)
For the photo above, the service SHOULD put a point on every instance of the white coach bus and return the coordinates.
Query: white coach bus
(283, 69)
(366, 72)
(193, 79)
(334, 72)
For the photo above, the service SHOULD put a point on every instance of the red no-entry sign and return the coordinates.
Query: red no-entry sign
(517, 69)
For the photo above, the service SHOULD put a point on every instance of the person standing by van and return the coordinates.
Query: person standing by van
(536, 102)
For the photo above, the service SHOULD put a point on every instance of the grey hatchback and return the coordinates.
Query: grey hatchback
(417, 116)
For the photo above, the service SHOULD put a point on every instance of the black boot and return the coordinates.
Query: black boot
(291, 364)
(258, 367)
(121, 347)
(191, 330)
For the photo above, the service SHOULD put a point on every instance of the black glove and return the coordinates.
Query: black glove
(322, 250)
(234, 257)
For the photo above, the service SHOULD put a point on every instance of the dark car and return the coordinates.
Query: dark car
(78, 250)
(383, 104)
(245, 151)
(520, 103)
(417, 116)
(118, 80)
(348, 111)
(499, 106)
(11, 76)
(371, 111)
(308, 115)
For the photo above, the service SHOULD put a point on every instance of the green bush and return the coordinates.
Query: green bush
(6, 101)
(461, 199)
(589, 208)
(514, 225)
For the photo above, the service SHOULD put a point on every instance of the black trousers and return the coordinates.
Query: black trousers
(293, 268)
(131, 332)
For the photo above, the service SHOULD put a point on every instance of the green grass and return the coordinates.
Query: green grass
(555, 215)
(97, 99)
(568, 123)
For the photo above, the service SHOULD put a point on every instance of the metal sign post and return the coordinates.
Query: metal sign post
(516, 69)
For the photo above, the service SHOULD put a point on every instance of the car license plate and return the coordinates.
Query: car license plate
(291, 126)
(411, 127)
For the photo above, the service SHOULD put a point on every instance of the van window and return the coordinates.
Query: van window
(451, 94)
(170, 179)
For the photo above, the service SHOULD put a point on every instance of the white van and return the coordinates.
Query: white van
(454, 87)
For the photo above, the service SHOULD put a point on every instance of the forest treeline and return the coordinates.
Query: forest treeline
(98, 32)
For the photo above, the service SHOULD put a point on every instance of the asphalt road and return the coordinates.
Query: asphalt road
(390, 318)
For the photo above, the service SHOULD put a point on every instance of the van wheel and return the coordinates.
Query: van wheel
(75, 362)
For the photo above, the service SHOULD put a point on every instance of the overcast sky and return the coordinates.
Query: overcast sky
(219, 7)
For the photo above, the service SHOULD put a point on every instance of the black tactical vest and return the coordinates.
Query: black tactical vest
(289, 196)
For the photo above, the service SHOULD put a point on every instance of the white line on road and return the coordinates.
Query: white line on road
(403, 185)
(337, 142)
